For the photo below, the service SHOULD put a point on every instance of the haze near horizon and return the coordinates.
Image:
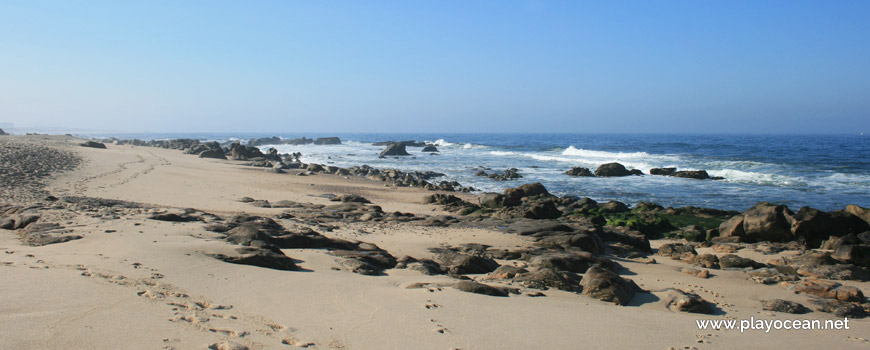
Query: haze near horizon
(523, 66)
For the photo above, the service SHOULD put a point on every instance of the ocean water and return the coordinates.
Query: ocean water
(822, 171)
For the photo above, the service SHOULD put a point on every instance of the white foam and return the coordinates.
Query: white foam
(502, 153)
(442, 143)
(467, 146)
(573, 151)
(757, 178)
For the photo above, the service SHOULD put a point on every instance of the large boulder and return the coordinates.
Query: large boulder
(816, 226)
(459, 264)
(578, 171)
(732, 227)
(693, 174)
(612, 169)
(430, 149)
(274, 140)
(606, 285)
(768, 222)
(515, 195)
(480, 288)
(853, 254)
(682, 301)
(394, 149)
(663, 171)
(491, 200)
(261, 257)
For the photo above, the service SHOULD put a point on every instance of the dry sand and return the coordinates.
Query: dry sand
(134, 283)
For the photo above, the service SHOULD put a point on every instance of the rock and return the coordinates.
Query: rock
(531, 227)
(734, 261)
(395, 149)
(173, 217)
(692, 174)
(853, 254)
(227, 345)
(93, 144)
(629, 237)
(479, 288)
(515, 195)
(430, 149)
(861, 212)
(259, 257)
(274, 140)
(316, 168)
(822, 265)
(580, 241)
(663, 171)
(611, 170)
(579, 262)
(767, 222)
(547, 278)
(732, 227)
(676, 250)
(709, 261)
(350, 198)
(678, 300)
(460, 264)
(614, 207)
(840, 308)
(506, 272)
(779, 305)
(371, 262)
(578, 171)
(606, 285)
(327, 141)
(829, 289)
(213, 153)
(816, 226)
(442, 199)
(3, 133)
(491, 200)
(773, 275)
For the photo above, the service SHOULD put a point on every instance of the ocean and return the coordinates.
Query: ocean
(822, 171)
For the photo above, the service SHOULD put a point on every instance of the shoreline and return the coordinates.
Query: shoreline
(391, 273)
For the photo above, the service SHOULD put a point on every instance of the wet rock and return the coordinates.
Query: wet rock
(692, 174)
(606, 285)
(612, 170)
(327, 141)
(578, 171)
(663, 171)
(785, 306)
(479, 288)
(429, 149)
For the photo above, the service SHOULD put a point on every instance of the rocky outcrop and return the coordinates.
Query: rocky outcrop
(578, 171)
(3, 133)
(663, 171)
(214, 154)
(692, 174)
(238, 151)
(274, 140)
(612, 170)
(861, 212)
(429, 149)
(327, 141)
(785, 306)
(395, 149)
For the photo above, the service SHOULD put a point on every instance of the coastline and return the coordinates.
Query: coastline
(163, 277)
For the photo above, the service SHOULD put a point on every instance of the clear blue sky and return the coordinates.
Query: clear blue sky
(437, 66)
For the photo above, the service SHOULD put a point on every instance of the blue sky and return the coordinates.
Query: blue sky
(439, 66)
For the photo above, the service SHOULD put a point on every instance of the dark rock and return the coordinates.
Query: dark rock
(459, 264)
(213, 153)
(693, 174)
(676, 250)
(479, 288)
(840, 308)
(578, 171)
(606, 285)
(506, 272)
(327, 141)
(581, 241)
(612, 169)
(816, 226)
(395, 149)
(853, 254)
(274, 140)
(632, 238)
(531, 227)
(93, 144)
(547, 278)
(259, 257)
(709, 261)
(860, 212)
(663, 171)
(614, 207)
(779, 305)
(734, 261)
(515, 195)
(491, 200)
(578, 262)
(3, 133)
(430, 149)
(173, 217)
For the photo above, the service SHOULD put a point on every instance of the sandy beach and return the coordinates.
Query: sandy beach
(140, 278)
